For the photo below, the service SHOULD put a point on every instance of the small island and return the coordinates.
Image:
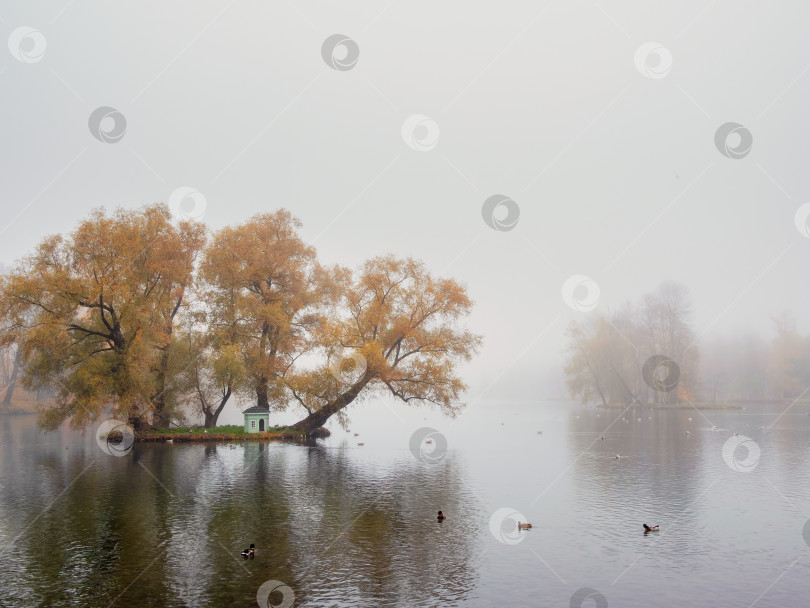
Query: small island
(157, 324)
(228, 432)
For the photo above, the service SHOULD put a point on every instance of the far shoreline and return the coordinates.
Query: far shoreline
(673, 406)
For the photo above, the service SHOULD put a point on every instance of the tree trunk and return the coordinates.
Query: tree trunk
(317, 419)
(212, 417)
(13, 380)
(262, 399)
(136, 422)
(161, 418)
(596, 381)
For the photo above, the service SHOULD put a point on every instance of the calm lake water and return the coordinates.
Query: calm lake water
(344, 525)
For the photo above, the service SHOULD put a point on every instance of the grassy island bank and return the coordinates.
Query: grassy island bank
(231, 432)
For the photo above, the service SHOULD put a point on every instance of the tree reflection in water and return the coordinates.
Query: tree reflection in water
(166, 525)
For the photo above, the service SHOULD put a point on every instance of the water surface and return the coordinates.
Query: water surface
(344, 525)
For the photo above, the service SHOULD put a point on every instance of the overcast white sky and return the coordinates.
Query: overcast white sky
(616, 173)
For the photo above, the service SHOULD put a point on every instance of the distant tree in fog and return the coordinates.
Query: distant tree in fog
(751, 367)
(735, 368)
(789, 361)
(606, 355)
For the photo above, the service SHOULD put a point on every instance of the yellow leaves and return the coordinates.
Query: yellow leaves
(101, 312)
(99, 306)
(400, 321)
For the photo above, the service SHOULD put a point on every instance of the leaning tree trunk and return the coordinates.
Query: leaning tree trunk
(318, 418)
(13, 379)
(596, 382)
(211, 417)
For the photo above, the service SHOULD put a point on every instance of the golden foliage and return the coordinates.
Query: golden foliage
(117, 314)
(94, 311)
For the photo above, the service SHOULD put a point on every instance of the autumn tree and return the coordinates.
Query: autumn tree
(95, 313)
(585, 376)
(665, 330)
(395, 333)
(210, 372)
(735, 367)
(122, 314)
(607, 354)
(789, 359)
(265, 294)
(12, 379)
(602, 362)
(10, 351)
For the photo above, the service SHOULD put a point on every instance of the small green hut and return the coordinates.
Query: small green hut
(257, 419)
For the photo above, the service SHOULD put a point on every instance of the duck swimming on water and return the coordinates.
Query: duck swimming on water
(249, 552)
(651, 528)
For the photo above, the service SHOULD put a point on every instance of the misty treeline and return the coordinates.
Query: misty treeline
(647, 352)
(145, 318)
(751, 366)
(607, 353)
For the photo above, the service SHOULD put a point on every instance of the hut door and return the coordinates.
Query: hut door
(261, 425)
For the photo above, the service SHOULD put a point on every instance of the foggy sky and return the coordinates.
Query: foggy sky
(616, 174)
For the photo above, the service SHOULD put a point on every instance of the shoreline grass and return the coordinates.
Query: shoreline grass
(231, 432)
